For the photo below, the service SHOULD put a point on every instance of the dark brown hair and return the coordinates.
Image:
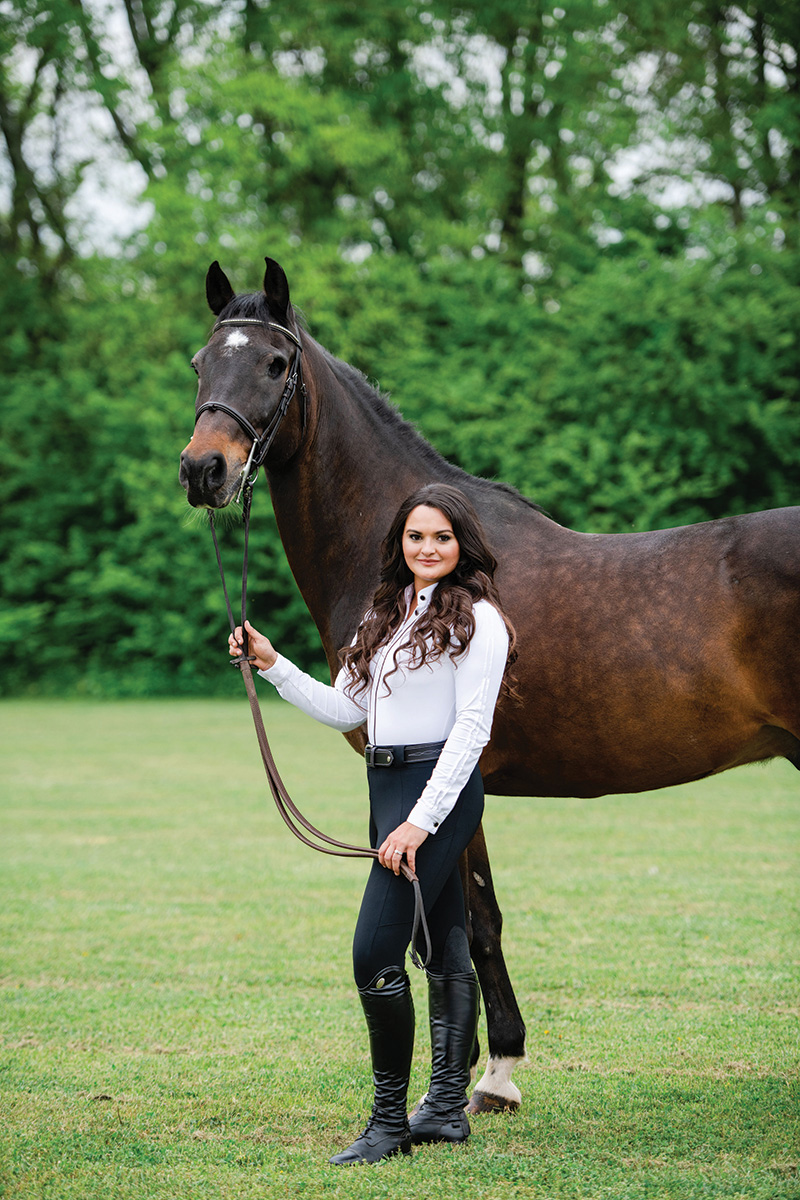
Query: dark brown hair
(448, 623)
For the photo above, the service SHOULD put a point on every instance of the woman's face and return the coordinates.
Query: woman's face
(430, 547)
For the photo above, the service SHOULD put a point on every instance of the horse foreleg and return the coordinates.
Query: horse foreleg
(505, 1028)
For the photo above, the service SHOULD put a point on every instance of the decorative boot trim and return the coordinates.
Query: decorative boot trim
(389, 1011)
(453, 1011)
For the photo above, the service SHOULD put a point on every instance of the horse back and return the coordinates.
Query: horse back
(647, 659)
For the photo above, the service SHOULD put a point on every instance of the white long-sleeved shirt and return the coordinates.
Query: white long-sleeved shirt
(449, 699)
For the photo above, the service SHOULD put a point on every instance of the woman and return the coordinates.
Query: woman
(423, 672)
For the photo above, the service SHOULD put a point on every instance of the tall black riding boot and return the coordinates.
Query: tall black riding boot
(389, 1009)
(453, 1008)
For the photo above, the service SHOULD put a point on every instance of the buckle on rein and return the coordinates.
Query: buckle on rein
(378, 756)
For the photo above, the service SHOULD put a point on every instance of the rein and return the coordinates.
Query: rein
(288, 810)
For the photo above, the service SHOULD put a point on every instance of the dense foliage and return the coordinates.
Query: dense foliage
(564, 240)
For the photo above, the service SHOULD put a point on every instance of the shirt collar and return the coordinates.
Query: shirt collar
(424, 597)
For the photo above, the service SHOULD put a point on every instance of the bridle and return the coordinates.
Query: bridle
(288, 810)
(263, 441)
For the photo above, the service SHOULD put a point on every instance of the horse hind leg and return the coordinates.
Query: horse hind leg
(771, 741)
(792, 752)
(495, 1091)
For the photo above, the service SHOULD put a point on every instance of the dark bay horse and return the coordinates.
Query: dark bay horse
(645, 659)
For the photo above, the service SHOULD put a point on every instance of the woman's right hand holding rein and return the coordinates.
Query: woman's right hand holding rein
(259, 648)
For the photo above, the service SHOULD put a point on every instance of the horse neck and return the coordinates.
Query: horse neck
(334, 502)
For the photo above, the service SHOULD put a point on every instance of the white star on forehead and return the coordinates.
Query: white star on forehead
(236, 339)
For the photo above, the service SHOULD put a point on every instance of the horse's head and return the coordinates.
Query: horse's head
(249, 373)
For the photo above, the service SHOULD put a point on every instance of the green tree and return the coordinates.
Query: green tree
(444, 188)
(722, 105)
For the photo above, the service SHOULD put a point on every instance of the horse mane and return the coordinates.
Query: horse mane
(254, 305)
(380, 403)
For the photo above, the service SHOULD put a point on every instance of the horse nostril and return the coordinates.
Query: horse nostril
(215, 471)
(203, 477)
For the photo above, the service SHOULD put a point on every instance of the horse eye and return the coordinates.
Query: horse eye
(193, 365)
(276, 368)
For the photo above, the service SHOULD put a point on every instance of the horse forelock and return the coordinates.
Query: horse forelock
(251, 306)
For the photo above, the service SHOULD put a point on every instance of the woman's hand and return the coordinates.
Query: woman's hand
(259, 647)
(406, 839)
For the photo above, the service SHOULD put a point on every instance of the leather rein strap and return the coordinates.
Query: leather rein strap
(288, 810)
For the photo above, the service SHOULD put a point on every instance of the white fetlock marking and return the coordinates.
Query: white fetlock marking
(496, 1080)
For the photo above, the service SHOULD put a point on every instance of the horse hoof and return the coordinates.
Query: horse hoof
(483, 1102)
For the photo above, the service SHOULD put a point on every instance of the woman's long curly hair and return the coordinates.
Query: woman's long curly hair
(448, 623)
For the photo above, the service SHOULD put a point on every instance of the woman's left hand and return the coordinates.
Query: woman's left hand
(405, 840)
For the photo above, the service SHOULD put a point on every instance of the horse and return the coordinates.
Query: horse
(645, 659)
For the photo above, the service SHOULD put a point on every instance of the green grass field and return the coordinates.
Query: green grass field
(177, 1017)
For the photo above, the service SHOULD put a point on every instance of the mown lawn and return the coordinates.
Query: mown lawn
(176, 1012)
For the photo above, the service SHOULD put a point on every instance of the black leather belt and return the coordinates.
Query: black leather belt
(389, 756)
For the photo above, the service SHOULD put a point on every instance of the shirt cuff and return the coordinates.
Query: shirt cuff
(420, 817)
(279, 672)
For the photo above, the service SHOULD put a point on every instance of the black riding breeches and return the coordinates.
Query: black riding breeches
(383, 931)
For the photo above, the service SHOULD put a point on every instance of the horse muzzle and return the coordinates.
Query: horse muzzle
(206, 479)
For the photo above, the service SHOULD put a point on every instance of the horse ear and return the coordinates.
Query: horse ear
(218, 289)
(276, 289)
